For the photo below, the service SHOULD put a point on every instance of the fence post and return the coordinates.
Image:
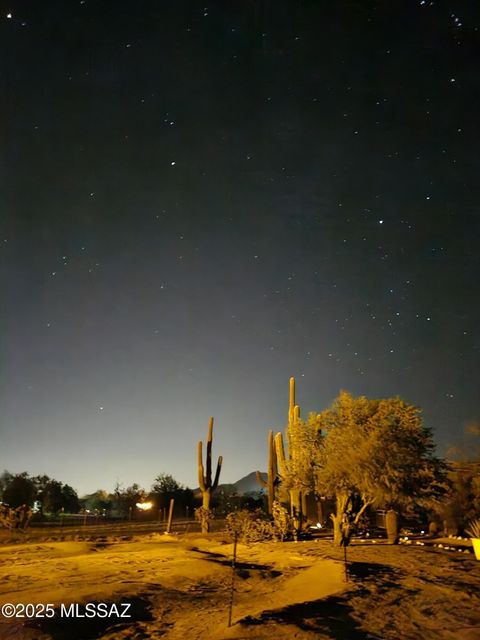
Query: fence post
(170, 516)
(232, 584)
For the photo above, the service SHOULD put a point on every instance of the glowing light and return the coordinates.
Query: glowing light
(144, 506)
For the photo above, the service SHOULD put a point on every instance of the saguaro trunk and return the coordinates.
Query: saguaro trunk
(272, 473)
(206, 500)
(207, 486)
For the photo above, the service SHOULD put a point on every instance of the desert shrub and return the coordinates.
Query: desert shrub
(474, 529)
(18, 518)
(249, 526)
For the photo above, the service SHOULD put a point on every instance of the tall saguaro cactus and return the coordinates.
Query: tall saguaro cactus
(207, 487)
(272, 473)
(286, 465)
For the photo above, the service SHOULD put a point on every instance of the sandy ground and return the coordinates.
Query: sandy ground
(180, 588)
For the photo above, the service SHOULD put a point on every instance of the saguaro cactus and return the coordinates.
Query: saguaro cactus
(207, 487)
(272, 473)
(291, 404)
(287, 466)
(297, 507)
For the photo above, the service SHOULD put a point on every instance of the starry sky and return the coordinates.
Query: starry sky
(201, 199)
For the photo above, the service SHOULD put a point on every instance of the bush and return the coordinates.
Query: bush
(249, 526)
(474, 529)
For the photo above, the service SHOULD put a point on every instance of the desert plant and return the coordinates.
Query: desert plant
(249, 526)
(282, 522)
(474, 528)
(379, 452)
(272, 473)
(297, 462)
(18, 518)
(207, 487)
(204, 516)
(288, 473)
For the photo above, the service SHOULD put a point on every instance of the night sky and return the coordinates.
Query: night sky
(201, 199)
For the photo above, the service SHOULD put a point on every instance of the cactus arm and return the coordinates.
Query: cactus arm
(261, 481)
(217, 473)
(296, 413)
(291, 403)
(272, 455)
(280, 452)
(205, 474)
(208, 476)
(201, 481)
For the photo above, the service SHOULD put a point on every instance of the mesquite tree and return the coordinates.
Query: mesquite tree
(377, 452)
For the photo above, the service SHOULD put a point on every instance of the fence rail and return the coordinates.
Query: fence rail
(103, 529)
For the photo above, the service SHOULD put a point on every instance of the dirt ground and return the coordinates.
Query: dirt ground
(179, 587)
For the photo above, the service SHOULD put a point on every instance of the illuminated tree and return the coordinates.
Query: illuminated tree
(377, 452)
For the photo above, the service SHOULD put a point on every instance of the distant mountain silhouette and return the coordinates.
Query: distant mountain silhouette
(247, 484)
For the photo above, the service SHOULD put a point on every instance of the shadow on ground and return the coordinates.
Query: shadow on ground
(84, 628)
(242, 568)
(330, 616)
(359, 572)
(333, 615)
